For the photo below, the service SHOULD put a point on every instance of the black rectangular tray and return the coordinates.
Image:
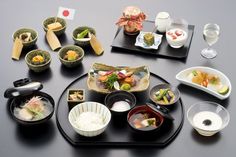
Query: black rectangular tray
(126, 42)
(118, 132)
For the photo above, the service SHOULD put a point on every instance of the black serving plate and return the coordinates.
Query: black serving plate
(126, 42)
(118, 132)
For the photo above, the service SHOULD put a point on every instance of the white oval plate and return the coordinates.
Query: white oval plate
(182, 77)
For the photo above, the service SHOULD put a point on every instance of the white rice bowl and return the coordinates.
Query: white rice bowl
(100, 117)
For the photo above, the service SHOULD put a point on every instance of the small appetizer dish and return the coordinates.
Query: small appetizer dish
(131, 19)
(164, 94)
(206, 79)
(143, 119)
(148, 40)
(38, 60)
(89, 118)
(81, 35)
(28, 36)
(71, 55)
(56, 24)
(208, 118)
(177, 33)
(105, 79)
(120, 102)
(75, 96)
(29, 106)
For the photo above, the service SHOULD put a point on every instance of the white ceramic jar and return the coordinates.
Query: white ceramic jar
(162, 21)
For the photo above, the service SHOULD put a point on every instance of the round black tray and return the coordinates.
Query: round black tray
(118, 133)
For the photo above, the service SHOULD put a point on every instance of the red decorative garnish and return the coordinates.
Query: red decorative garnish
(178, 32)
(169, 33)
(174, 37)
(132, 20)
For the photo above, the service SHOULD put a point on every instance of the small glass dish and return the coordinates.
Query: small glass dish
(140, 41)
(177, 33)
(208, 118)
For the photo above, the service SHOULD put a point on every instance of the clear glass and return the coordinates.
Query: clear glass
(177, 33)
(211, 34)
(207, 119)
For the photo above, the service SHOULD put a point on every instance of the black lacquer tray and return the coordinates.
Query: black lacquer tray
(118, 133)
(126, 43)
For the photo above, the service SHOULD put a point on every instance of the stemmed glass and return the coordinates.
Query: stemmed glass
(211, 34)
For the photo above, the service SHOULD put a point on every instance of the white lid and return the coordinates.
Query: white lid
(163, 15)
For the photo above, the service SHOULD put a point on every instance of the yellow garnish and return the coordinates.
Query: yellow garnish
(38, 59)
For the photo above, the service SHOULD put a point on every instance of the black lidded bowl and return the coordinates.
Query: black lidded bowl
(144, 109)
(17, 101)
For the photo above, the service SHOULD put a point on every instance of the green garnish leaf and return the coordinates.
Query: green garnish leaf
(110, 80)
(194, 72)
(82, 34)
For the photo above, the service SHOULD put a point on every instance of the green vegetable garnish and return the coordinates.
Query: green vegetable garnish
(82, 34)
(125, 86)
(37, 114)
(194, 72)
(110, 80)
(162, 93)
(165, 99)
(224, 90)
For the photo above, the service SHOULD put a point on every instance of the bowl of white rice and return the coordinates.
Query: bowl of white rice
(89, 118)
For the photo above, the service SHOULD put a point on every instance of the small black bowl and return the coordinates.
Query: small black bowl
(116, 96)
(16, 102)
(164, 86)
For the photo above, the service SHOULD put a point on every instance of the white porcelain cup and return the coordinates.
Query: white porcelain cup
(162, 21)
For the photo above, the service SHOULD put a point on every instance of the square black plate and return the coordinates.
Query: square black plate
(126, 42)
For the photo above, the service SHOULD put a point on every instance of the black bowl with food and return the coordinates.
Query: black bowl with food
(164, 94)
(143, 119)
(120, 102)
(32, 109)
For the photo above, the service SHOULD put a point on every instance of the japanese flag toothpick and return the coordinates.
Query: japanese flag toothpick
(66, 13)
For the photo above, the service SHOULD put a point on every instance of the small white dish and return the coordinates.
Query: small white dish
(140, 41)
(182, 76)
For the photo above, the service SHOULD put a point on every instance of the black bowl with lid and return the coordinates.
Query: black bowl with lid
(22, 92)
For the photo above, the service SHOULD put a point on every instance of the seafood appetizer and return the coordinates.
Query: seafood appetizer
(206, 79)
(34, 109)
(105, 79)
